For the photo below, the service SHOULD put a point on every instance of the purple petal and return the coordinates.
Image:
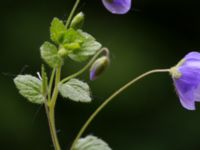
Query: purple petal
(193, 55)
(92, 75)
(197, 94)
(117, 6)
(188, 85)
(191, 63)
(186, 96)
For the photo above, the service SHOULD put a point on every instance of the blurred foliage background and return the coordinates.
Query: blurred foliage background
(148, 116)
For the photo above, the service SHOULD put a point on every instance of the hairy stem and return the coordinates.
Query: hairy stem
(50, 124)
(51, 111)
(50, 105)
(53, 128)
(86, 66)
(84, 127)
(51, 84)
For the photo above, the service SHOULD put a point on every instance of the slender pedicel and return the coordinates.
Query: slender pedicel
(84, 127)
(104, 50)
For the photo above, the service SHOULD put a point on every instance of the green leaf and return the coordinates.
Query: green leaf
(88, 47)
(75, 90)
(77, 57)
(30, 87)
(91, 143)
(49, 54)
(57, 30)
(72, 36)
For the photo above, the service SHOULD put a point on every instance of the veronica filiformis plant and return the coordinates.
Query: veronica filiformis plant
(69, 41)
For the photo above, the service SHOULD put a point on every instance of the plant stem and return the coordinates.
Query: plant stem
(53, 128)
(85, 67)
(110, 98)
(51, 111)
(50, 104)
(50, 127)
(51, 84)
(72, 13)
(55, 92)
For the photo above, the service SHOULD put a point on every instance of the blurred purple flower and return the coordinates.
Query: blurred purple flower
(186, 77)
(117, 6)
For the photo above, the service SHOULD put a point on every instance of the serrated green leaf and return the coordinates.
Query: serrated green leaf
(57, 30)
(77, 57)
(88, 47)
(30, 87)
(72, 36)
(49, 54)
(91, 143)
(75, 90)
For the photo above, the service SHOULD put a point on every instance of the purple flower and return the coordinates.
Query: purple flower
(186, 77)
(117, 6)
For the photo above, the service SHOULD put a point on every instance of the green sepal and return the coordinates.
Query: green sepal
(49, 54)
(75, 90)
(57, 31)
(91, 142)
(30, 87)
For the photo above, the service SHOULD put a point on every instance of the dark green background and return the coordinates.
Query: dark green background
(148, 116)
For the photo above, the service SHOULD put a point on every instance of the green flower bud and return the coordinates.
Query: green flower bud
(98, 67)
(62, 52)
(77, 21)
(72, 46)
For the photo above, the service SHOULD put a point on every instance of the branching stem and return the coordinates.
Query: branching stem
(50, 104)
(51, 111)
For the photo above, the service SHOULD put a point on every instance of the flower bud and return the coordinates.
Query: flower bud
(98, 67)
(62, 52)
(77, 21)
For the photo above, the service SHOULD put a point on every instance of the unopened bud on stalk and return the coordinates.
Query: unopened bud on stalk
(98, 67)
(77, 21)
